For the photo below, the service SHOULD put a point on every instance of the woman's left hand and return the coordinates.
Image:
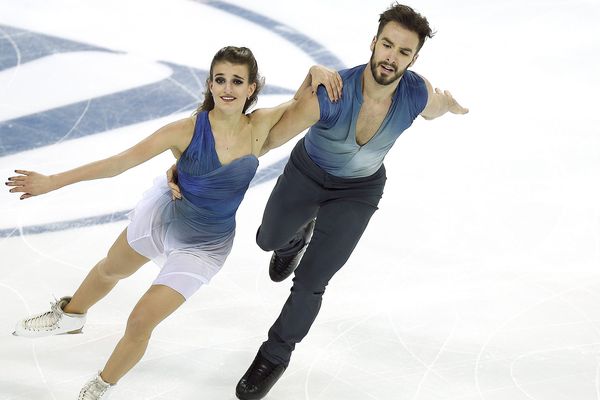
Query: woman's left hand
(329, 78)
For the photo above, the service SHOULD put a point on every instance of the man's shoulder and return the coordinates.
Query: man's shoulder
(414, 87)
(412, 83)
(413, 79)
(353, 72)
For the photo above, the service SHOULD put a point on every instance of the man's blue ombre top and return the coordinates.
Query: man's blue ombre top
(331, 142)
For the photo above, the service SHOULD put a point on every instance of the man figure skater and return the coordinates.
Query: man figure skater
(335, 177)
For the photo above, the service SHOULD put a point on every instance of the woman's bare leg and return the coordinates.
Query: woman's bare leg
(154, 306)
(120, 262)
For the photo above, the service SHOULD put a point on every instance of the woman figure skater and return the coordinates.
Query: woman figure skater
(188, 235)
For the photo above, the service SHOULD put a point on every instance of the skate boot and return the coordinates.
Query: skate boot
(53, 322)
(95, 389)
(259, 379)
(282, 266)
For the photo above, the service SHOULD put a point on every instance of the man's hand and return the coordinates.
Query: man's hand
(172, 182)
(452, 104)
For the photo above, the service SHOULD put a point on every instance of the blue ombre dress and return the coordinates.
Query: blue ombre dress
(191, 238)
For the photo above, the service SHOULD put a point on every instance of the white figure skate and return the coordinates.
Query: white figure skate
(95, 389)
(53, 322)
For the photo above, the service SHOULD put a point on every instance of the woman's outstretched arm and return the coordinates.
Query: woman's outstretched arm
(176, 136)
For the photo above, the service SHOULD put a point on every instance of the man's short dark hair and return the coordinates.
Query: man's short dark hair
(409, 19)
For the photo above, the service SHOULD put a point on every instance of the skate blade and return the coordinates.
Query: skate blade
(75, 332)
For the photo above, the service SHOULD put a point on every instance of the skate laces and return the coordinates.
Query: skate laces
(94, 389)
(45, 320)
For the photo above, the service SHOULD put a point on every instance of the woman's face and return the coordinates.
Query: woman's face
(230, 86)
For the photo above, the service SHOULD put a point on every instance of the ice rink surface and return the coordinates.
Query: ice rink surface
(477, 279)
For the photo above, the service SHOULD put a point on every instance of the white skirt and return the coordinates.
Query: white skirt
(160, 230)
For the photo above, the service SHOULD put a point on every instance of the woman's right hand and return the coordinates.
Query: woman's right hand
(30, 183)
(172, 182)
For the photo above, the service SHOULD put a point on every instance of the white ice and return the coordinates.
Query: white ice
(477, 279)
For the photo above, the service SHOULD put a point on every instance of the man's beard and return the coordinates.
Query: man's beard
(379, 78)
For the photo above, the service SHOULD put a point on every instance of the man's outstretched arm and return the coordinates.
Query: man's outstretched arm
(440, 102)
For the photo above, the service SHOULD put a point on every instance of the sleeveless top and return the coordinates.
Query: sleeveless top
(211, 191)
(331, 142)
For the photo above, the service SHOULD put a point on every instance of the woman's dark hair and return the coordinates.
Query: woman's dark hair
(408, 18)
(239, 56)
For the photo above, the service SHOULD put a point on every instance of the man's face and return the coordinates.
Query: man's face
(392, 52)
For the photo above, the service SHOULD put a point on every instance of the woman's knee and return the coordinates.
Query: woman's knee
(139, 326)
(108, 270)
(120, 262)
